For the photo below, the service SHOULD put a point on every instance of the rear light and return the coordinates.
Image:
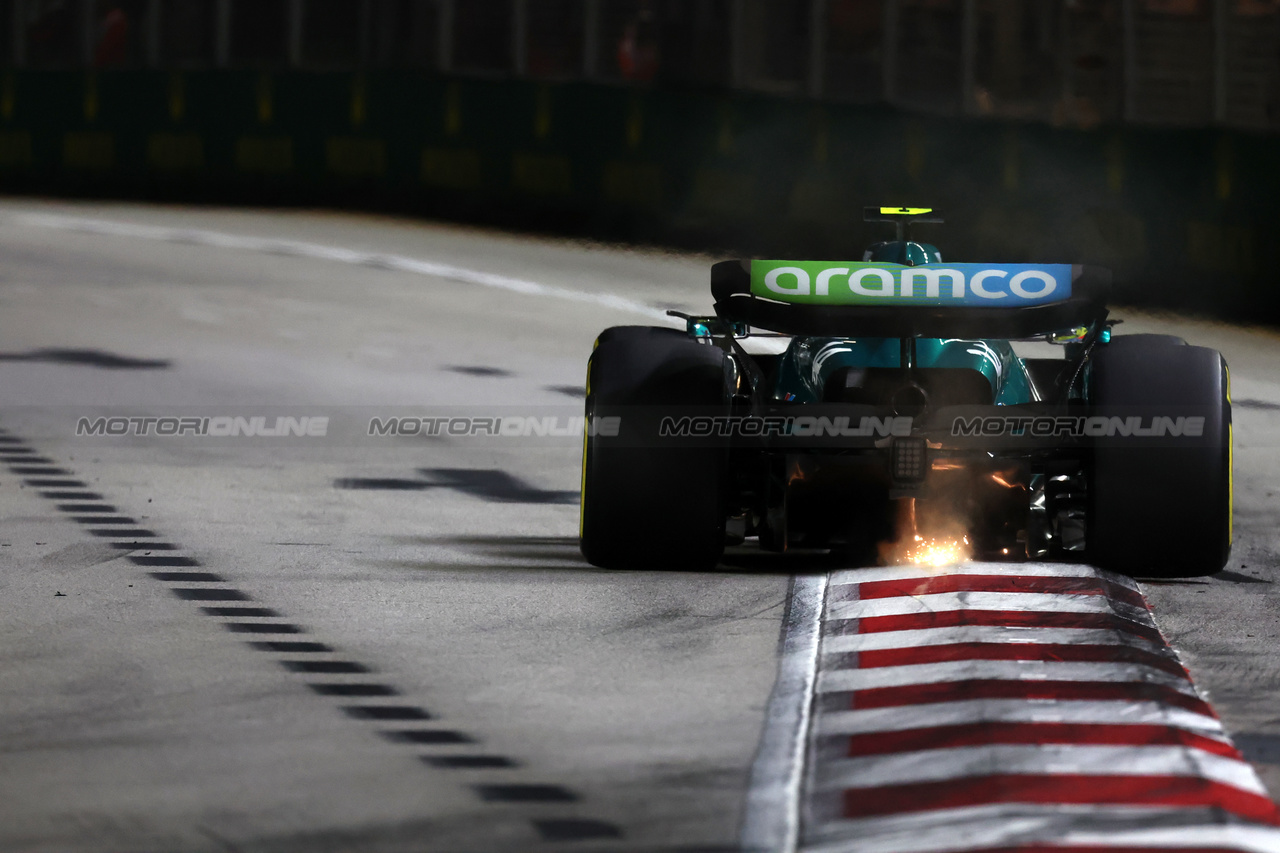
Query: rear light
(908, 460)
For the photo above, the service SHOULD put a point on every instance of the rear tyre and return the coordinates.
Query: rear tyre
(646, 504)
(1161, 506)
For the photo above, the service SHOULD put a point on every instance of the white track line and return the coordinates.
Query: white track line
(984, 827)
(988, 634)
(1016, 711)
(1239, 837)
(963, 762)
(832, 681)
(943, 601)
(771, 818)
(1016, 570)
(320, 252)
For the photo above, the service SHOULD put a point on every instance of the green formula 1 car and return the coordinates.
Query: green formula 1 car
(899, 408)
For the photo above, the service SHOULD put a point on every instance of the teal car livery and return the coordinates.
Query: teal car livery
(905, 400)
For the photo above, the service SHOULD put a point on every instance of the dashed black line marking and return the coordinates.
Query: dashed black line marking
(99, 519)
(87, 358)
(209, 594)
(288, 646)
(262, 628)
(326, 667)
(525, 794)
(122, 534)
(201, 577)
(468, 762)
(238, 612)
(402, 713)
(426, 737)
(340, 689)
(94, 507)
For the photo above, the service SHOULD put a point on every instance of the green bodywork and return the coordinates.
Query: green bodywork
(809, 362)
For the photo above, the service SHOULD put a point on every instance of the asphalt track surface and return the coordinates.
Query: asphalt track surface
(444, 671)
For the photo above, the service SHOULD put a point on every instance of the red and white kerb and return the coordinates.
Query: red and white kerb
(1014, 707)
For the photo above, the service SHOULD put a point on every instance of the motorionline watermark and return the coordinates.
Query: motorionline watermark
(363, 426)
(349, 426)
(1078, 426)
(753, 426)
(220, 426)
(516, 426)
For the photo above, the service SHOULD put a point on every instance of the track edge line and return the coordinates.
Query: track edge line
(771, 818)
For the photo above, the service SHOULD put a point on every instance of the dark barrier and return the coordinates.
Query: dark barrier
(1186, 218)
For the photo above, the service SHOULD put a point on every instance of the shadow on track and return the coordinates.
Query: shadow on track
(489, 484)
(552, 552)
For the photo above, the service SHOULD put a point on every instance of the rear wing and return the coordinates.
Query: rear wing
(849, 299)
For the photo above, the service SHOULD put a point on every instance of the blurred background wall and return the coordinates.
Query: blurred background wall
(1139, 134)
